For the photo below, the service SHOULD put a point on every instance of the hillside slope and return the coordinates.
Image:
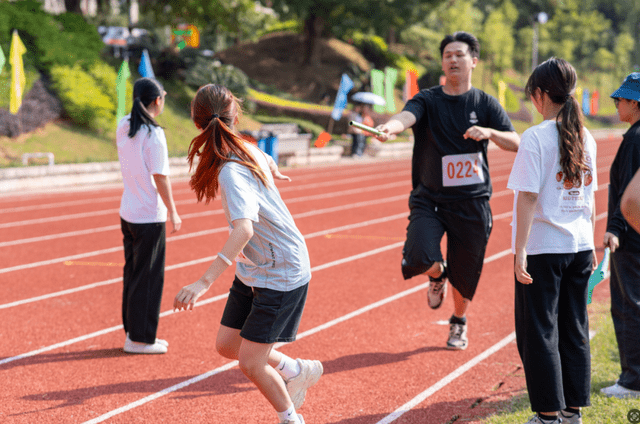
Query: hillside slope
(276, 60)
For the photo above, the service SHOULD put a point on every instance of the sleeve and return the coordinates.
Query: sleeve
(240, 190)
(616, 223)
(498, 117)
(156, 154)
(526, 173)
(417, 105)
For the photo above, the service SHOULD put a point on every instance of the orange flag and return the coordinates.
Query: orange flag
(411, 84)
(323, 139)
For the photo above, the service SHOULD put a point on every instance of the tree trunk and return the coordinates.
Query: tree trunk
(73, 6)
(313, 27)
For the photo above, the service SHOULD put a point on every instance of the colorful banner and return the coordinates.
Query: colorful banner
(341, 97)
(595, 97)
(121, 89)
(390, 78)
(502, 94)
(145, 69)
(586, 102)
(18, 80)
(377, 87)
(410, 85)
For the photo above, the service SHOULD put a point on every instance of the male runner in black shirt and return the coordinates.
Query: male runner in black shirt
(452, 125)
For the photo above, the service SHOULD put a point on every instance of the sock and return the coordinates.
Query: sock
(456, 320)
(288, 368)
(289, 415)
(549, 418)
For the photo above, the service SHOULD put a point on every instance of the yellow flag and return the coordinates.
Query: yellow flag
(18, 80)
(502, 93)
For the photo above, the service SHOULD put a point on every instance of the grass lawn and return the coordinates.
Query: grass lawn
(605, 368)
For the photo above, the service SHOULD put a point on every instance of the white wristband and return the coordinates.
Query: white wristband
(224, 258)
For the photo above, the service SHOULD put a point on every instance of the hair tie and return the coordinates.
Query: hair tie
(215, 115)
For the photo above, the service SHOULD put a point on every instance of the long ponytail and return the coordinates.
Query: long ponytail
(214, 110)
(557, 78)
(145, 92)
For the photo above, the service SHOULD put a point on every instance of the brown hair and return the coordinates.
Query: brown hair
(214, 110)
(557, 78)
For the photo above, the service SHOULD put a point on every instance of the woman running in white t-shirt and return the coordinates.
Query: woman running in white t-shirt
(554, 177)
(269, 291)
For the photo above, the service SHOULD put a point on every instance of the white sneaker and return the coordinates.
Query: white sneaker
(162, 342)
(457, 337)
(620, 392)
(293, 422)
(437, 289)
(310, 373)
(144, 348)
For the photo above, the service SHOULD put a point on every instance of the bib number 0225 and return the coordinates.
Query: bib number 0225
(461, 170)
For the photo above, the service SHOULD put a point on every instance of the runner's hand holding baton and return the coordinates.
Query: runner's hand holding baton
(366, 128)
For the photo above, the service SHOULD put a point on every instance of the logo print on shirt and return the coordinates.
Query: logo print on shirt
(473, 118)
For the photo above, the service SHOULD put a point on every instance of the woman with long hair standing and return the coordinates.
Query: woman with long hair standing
(146, 202)
(554, 178)
(272, 275)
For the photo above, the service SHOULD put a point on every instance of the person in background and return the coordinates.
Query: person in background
(362, 114)
(269, 291)
(624, 242)
(146, 202)
(452, 125)
(554, 178)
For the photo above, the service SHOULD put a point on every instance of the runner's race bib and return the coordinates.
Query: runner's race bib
(462, 170)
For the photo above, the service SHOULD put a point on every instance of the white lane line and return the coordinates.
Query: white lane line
(232, 364)
(193, 215)
(202, 303)
(446, 380)
(193, 201)
(191, 235)
(195, 261)
(307, 333)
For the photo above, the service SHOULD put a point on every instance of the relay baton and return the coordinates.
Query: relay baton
(599, 273)
(365, 128)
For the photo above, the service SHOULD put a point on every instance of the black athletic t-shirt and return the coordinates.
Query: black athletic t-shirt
(441, 121)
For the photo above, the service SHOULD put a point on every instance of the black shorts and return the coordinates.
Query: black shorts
(264, 315)
(468, 225)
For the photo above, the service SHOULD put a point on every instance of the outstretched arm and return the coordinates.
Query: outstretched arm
(506, 140)
(239, 237)
(396, 124)
(630, 203)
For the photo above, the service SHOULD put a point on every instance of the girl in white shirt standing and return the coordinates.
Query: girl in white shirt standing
(269, 291)
(554, 177)
(146, 202)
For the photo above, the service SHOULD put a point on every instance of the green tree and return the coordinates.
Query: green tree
(497, 36)
(622, 52)
(333, 17)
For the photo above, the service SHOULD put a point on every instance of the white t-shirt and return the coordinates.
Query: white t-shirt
(562, 219)
(276, 257)
(140, 157)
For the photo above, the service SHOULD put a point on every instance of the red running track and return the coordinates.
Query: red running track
(61, 358)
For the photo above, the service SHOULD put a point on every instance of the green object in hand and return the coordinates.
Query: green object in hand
(599, 273)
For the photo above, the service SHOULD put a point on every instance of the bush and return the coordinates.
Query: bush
(89, 97)
(207, 71)
(63, 40)
(373, 48)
